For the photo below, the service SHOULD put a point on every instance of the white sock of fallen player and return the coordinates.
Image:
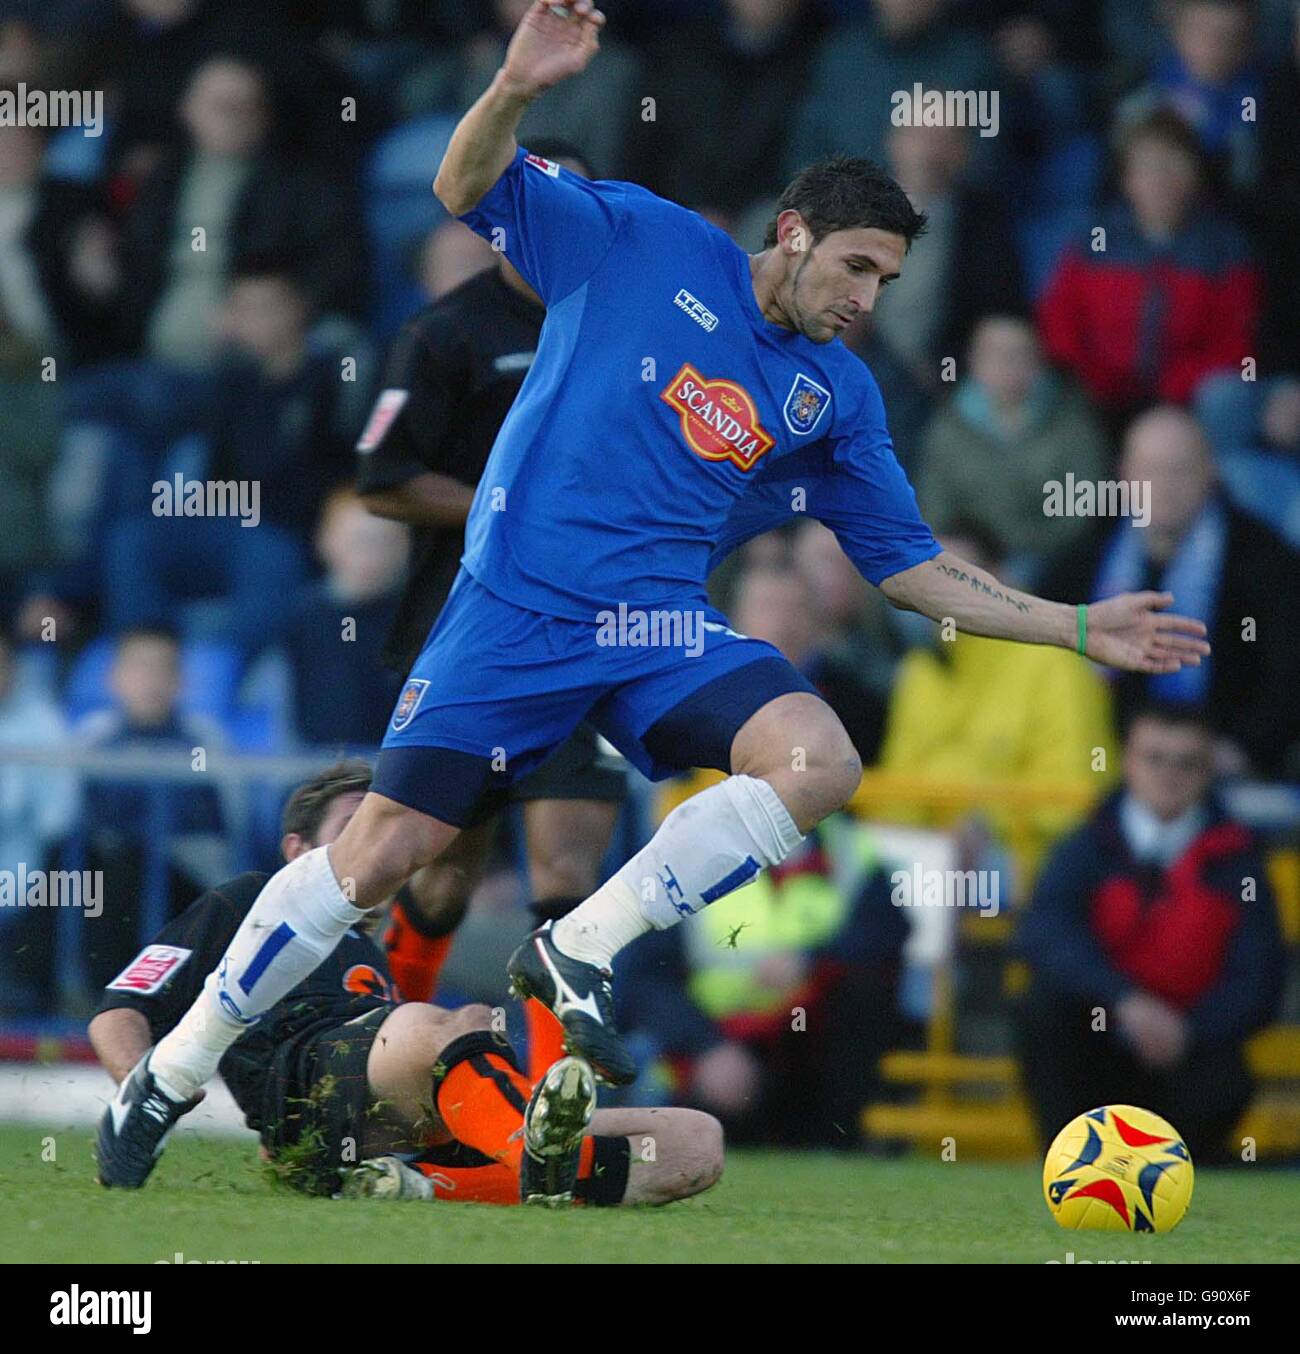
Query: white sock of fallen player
(707, 847)
(297, 920)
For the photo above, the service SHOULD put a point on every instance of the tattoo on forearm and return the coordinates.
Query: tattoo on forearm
(981, 586)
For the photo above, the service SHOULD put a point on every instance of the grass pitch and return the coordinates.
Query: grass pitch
(212, 1200)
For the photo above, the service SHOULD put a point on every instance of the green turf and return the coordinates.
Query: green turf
(211, 1200)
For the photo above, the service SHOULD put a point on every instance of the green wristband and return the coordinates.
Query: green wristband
(1083, 627)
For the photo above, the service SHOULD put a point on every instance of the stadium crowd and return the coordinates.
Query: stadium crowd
(206, 294)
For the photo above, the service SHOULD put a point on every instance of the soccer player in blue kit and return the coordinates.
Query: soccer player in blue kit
(685, 397)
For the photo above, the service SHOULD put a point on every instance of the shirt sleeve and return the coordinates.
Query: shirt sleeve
(162, 981)
(555, 226)
(866, 500)
(407, 433)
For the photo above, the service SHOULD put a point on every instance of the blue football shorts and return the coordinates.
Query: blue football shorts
(497, 688)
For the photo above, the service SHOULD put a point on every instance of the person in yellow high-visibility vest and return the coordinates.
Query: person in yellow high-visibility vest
(774, 1011)
(967, 710)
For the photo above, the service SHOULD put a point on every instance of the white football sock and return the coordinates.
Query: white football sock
(294, 924)
(713, 843)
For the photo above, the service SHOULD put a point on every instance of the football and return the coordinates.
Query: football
(1118, 1169)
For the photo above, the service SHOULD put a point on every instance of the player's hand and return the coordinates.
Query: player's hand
(1134, 632)
(553, 42)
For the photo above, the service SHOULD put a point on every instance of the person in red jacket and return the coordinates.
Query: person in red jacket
(1161, 291)
(1155, 949)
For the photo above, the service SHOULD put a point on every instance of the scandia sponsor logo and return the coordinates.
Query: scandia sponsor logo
(719, 418)
(93, 1307)
(179, 497)
(53, 888)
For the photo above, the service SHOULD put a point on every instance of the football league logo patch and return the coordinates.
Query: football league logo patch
(805, 404)
(409, 702)
(546, 166)
(387, 407)
(150, 970)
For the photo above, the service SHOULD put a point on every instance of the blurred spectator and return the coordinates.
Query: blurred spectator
(853, 614)
(1206, 75)
(155, 841)
(592, 108)
(37, 804)
(1168, 296)
(336, 628)
(150, 49)
(775, 1004)
(281, 423)
(722, 92)
(967, 710)
(901, 43)
(1155, 949)
(29, 442)
(450, 255)
(1276, 210)
(963, 267)
(247, 197)
(24, 311)
(909, 398)
(1224, 567)
(1011, 426)
(779, 606)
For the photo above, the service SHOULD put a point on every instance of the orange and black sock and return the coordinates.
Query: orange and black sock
(481, 1095)
(545, 1033)
(416, 951)
(602, 1174)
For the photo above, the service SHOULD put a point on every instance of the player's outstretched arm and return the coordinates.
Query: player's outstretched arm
(1132, 631)
(552, 43)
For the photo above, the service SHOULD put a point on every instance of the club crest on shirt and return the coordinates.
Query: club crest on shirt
(805, 404)
(409, 702)
(719, 418)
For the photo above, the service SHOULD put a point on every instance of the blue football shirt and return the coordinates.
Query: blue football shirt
(664, 420)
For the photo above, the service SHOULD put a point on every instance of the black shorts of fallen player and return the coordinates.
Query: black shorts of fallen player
(318, 1096)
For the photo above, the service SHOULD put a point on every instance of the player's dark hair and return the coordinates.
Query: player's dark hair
(1160, 123)
(1169, 714)
(310, 802)
(556, 148)
(848, 192)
